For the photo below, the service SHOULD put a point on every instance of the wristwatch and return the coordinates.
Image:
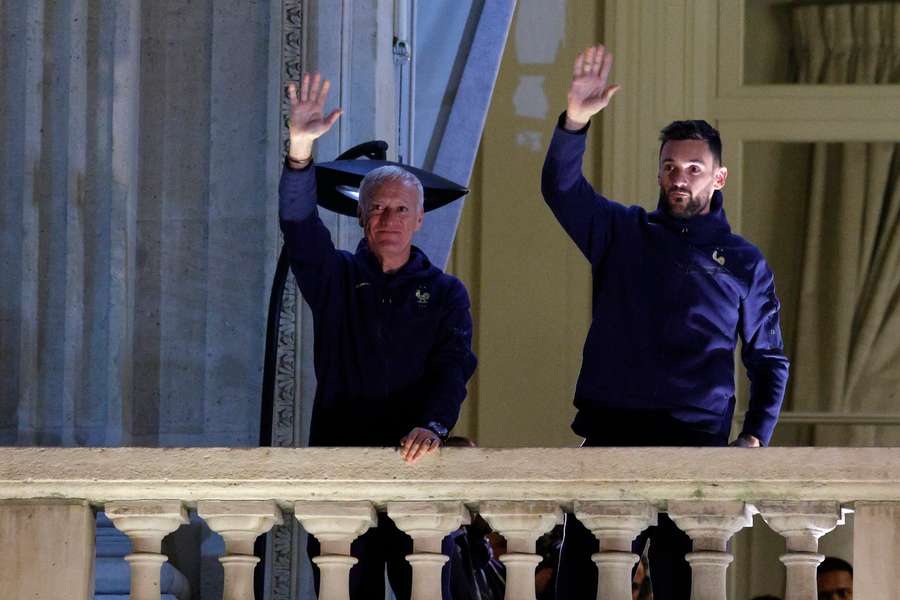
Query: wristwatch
(438, 429)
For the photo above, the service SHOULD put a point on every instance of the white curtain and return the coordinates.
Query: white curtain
(847, 342)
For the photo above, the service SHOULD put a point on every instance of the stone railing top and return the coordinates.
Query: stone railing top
(563, 475)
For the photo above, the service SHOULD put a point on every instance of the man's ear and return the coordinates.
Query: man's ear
(720, 177)
(420, 217)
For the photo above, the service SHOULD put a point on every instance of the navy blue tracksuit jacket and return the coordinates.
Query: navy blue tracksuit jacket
(392, 351)
(671, 298)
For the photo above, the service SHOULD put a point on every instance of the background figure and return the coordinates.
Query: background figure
(548, 546)
(640, 585)
(834, 579)
(473, 571)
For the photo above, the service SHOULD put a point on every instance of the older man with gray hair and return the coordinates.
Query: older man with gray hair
(393, 333)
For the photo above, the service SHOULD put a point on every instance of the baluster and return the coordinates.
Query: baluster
(615, 525)
(427, 523)
(521, 523)
(801, 524)
(335, 525)
(146, 523)
(239, 522)
(709, 524)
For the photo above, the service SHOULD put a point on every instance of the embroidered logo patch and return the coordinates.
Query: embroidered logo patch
(422, 296)
(719, 258)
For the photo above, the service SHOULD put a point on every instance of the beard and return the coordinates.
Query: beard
(691, 206)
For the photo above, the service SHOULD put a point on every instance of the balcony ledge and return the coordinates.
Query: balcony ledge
(100, 475)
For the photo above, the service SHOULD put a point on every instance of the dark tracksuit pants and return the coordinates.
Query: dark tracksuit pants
(670, 573)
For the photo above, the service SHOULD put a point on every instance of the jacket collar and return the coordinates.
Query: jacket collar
(418, 264)
(699, 229)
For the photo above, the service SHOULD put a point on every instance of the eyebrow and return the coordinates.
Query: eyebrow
(691, 160)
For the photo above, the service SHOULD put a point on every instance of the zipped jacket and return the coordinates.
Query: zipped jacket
(391, 351)
(671, 298)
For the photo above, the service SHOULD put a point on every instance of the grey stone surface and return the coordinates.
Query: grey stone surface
(140, 161)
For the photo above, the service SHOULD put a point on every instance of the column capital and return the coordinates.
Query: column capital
(616, 524)
(427, 523)
(239, 522)
(335, 524)
(146, 522)
(710, 523)
(801, 523)
(521, 523)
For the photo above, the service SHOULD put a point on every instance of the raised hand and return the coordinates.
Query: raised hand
(308, 121)
(589, 92)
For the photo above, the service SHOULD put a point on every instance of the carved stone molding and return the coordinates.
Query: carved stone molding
(284, 539)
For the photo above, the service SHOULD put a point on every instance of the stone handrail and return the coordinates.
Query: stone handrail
(336, 492)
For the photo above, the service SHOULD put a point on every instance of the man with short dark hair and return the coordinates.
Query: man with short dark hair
(393, 334)
(834, 579)
(673, 291)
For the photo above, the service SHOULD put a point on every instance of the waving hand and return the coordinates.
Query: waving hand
(589, 92)
(308, 121)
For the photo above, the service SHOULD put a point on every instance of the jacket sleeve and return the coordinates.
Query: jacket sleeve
(763, 354)
(583, 213)
(308, 242)
(450, 362)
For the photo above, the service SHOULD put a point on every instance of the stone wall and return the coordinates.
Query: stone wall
(138, 173)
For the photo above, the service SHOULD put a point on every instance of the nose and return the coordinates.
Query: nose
(677, 178)
(390, 216)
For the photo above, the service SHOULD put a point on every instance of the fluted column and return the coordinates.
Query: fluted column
(335, 525)
(239, 522)
(521, 523)
(615, 525)
(801, 524)
(146, 523)
(427, 523)
(710, 524)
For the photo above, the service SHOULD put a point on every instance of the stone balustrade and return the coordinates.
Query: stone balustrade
(336, 494)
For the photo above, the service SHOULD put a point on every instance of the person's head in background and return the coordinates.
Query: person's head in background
(458, 441)
(834, 579)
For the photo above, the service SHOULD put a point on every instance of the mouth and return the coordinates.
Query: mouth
(679, 197)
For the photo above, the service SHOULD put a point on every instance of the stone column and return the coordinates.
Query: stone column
(876, 549)
(146, 522)
(801, 524)
(427, 523)
(710, 524)
(239, 522)
(47, 549)
(335, 525)
(521, 523)
(615, 525)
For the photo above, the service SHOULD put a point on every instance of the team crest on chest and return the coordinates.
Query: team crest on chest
(422, 296)
(718, 257)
